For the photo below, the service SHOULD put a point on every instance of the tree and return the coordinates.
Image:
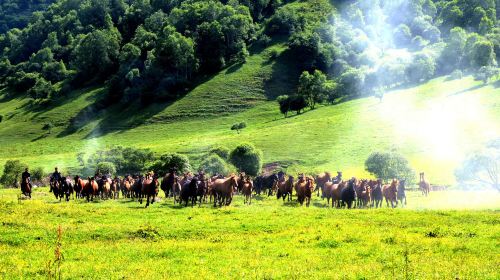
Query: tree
(298, 103)
(351, 82)
(105, 168)
(284, 102)
(422, 68)
(481, 168)
(247, 159)
(389, 165)
(214, 164)
(12, 173)
(402, 35)
(486, 73)
(167, 162)
(483, 54)
(238, 126)
(312, 87)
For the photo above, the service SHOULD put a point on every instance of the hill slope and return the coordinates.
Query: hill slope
(433, 124)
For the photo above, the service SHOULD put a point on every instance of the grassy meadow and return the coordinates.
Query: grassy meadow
(266, 240)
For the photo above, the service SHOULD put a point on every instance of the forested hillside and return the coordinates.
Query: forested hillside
(17, 13)
(158, 50)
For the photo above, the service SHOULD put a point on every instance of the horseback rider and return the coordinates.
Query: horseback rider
(26, 176)
(55, 177)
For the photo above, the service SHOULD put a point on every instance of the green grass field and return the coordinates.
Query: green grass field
(266, 240)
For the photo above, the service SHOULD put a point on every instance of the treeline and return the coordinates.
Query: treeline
(17, 13)
(146, 49)
(371, 46)
(154, 49)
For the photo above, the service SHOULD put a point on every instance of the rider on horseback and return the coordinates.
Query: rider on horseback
(55, 177)
(26, 175)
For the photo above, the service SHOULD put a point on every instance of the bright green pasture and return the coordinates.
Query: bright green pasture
(266, 240)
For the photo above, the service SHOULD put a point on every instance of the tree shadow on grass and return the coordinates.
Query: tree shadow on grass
(476, 87)
(285, 76)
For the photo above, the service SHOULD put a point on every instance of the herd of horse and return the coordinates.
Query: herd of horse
(199, 188)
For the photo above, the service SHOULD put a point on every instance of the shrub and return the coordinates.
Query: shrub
(167, 162)
(247, 158)
(456, 75)
(238, 126)
(214, 164)
(389, 165)
(37, 174)
(221, 151)
(105, 168)
(12, 173)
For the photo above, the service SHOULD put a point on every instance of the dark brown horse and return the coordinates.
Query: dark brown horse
(304, 188)
(390, 193)
(224, 189)
(115, 188)
(170, 185)
(337, 192)
(285, 188)
(328, 191)
(90, 189)
(126, 186)
(376, 193)
(26, 187)
(149, 189)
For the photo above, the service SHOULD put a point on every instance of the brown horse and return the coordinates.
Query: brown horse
(321, 180)
(376, 193)
(327, 191)
(247, 190)
(304, 188)
(224, 189)
(90, 189)
(285, 188)
(363, 194)
(336, 193)
(115, 188)
(26, 187)
(106, 188)
(149, 189)
(390, 193)
(171, 186)
(424, 186)
(56, 189)
(79, 185)
(126, 186)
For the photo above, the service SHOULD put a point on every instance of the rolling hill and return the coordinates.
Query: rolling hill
(433, 125)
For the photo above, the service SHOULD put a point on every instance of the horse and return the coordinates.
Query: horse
(79, 184)
(189, 191)
(26, 187)
(348, 194)
(241, 181)
(56, 189)
(115, 188)
(137, 187)
(327, 191)
(265, 182)
(376, 193)
(247, 190)
(304, 189)
(170, 185)
(149, 188)
(424, 186)
(66, 188)
(390, 193)
(90, 189)
(105, 187)
(126, 186)
(336, 193)
(285, 189)
(224, 189)
(402, 192)
(321, 180)
(363, 194)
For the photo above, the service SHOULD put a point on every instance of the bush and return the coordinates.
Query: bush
(221, 151)
(297, 103)
(214, 164)
(175, 161)
(247, 158)
(238, 126)
(12, 173)
(126, 160)
(105, 168)
(37, 174)
(456, 75)
(389, 165)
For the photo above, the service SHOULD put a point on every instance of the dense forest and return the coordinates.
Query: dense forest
(16, 14)
(154, 50)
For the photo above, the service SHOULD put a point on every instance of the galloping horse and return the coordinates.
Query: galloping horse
(247, 190)
(126, 186)
(90, 189)
(66, 188)
(189, 190)
(115, 188)
(56, 189)
(170, 185)
(304, 188)
(26, 187)
(79, 185)
(348, 194)
(390, 193)
(285, 188)
(337, 192)
(321, 180)
(424, 186)
(149, 189)
(224, 189)
(402, 192)
(376, 193)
